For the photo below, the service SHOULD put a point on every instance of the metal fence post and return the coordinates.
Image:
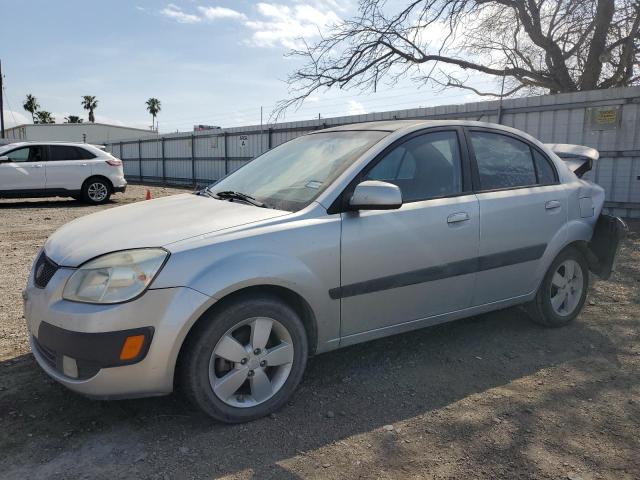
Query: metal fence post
(226, 157)
(140, 159)
(269, 132)
(164, 174)
(193, 161)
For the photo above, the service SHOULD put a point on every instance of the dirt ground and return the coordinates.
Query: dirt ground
(493, 396)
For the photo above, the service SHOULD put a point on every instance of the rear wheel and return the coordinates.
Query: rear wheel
(96, 191)
(246, 360)
(563, 291)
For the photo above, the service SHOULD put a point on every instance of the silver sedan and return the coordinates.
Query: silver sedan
(334, 238)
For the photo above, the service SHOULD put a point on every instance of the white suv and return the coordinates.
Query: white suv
(79, 170)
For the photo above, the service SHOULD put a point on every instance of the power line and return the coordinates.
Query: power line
(311, 111)
(321, 105)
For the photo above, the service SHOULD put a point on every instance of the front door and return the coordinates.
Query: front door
(403, 265)
(522, 208)
(24, 170)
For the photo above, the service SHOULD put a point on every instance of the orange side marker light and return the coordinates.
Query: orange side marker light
(132, 347)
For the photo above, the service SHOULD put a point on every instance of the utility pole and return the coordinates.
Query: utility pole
(1, 104)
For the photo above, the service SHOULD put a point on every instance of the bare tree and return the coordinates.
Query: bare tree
(536, 46)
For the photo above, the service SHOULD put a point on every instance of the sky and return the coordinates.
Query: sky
(209, 62)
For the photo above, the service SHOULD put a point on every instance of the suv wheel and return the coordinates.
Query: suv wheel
(246, 360)
(96, 191)
(563, 292)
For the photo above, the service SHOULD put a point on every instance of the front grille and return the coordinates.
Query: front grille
(44, 270)
(46, 353)
(86, 369)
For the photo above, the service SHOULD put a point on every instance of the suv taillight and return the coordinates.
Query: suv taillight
(114, 162)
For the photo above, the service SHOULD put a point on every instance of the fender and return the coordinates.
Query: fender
(571, 232)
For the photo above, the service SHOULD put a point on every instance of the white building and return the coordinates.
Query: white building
(96, 133)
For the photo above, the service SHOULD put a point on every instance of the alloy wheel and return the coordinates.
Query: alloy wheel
(251, 362)
(97, 192)
(567, 285)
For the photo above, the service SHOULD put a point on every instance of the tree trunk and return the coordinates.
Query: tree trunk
(593, 65)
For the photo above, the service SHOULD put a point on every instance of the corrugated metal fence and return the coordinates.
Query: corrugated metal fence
(608, 120)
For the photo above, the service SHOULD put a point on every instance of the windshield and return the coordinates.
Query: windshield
(291, 176)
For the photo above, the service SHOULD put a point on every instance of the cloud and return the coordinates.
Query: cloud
(216, 13)
(272, 24)
(175, 13)
(285, 26)
(355, 108)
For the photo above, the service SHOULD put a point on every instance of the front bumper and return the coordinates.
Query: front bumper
(121, 189)
(79, 344)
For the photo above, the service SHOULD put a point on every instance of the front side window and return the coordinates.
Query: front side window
(25, 154)
(424, 167)
(19, 155)
(503, 161)
(292, 175)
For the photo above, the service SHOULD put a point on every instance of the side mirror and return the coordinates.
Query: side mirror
(375, 195)
(4, 159)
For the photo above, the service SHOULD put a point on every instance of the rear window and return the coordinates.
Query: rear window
(69, 152)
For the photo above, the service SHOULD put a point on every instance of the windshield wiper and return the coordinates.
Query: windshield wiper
(229, 194)
(205, 192)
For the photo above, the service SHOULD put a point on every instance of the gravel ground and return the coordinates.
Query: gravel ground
(491, 396)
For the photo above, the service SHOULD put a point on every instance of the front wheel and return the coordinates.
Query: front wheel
(246, 360)
(96, 191)
(563, 292)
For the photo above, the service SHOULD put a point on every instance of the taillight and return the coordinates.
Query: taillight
(114, 162)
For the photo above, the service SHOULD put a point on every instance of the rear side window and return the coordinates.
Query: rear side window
(546, 172)
(69, 152)
(503, 162)
(84, 154)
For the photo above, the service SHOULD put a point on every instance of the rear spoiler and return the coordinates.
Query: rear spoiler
(578, 158)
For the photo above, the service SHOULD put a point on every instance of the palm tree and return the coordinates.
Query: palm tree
(31, 106)
(72, 119)
(153, 107)
(44, 117)
(89, 102)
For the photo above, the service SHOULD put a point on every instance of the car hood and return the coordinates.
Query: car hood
(152, 223)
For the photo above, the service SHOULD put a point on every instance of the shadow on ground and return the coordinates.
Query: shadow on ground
(438, 381)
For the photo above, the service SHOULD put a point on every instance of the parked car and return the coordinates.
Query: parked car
(79, 170)
(334, 238)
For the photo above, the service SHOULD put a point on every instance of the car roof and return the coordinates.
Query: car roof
(395, 125)
(70, 144)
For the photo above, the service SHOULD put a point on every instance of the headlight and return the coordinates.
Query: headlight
(115, 277)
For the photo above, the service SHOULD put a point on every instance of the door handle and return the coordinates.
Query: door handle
(458, 217)
(84, 164)
(38, 166)
(551, 204)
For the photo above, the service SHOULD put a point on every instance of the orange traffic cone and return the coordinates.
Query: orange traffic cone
(148, 194)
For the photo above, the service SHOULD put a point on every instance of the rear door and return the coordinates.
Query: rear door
(68, 167)
(522, 207)
(24, 170)
(403, 265)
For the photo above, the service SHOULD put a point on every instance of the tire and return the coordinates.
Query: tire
(548, 307)
(96, 191)
(204, 364)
